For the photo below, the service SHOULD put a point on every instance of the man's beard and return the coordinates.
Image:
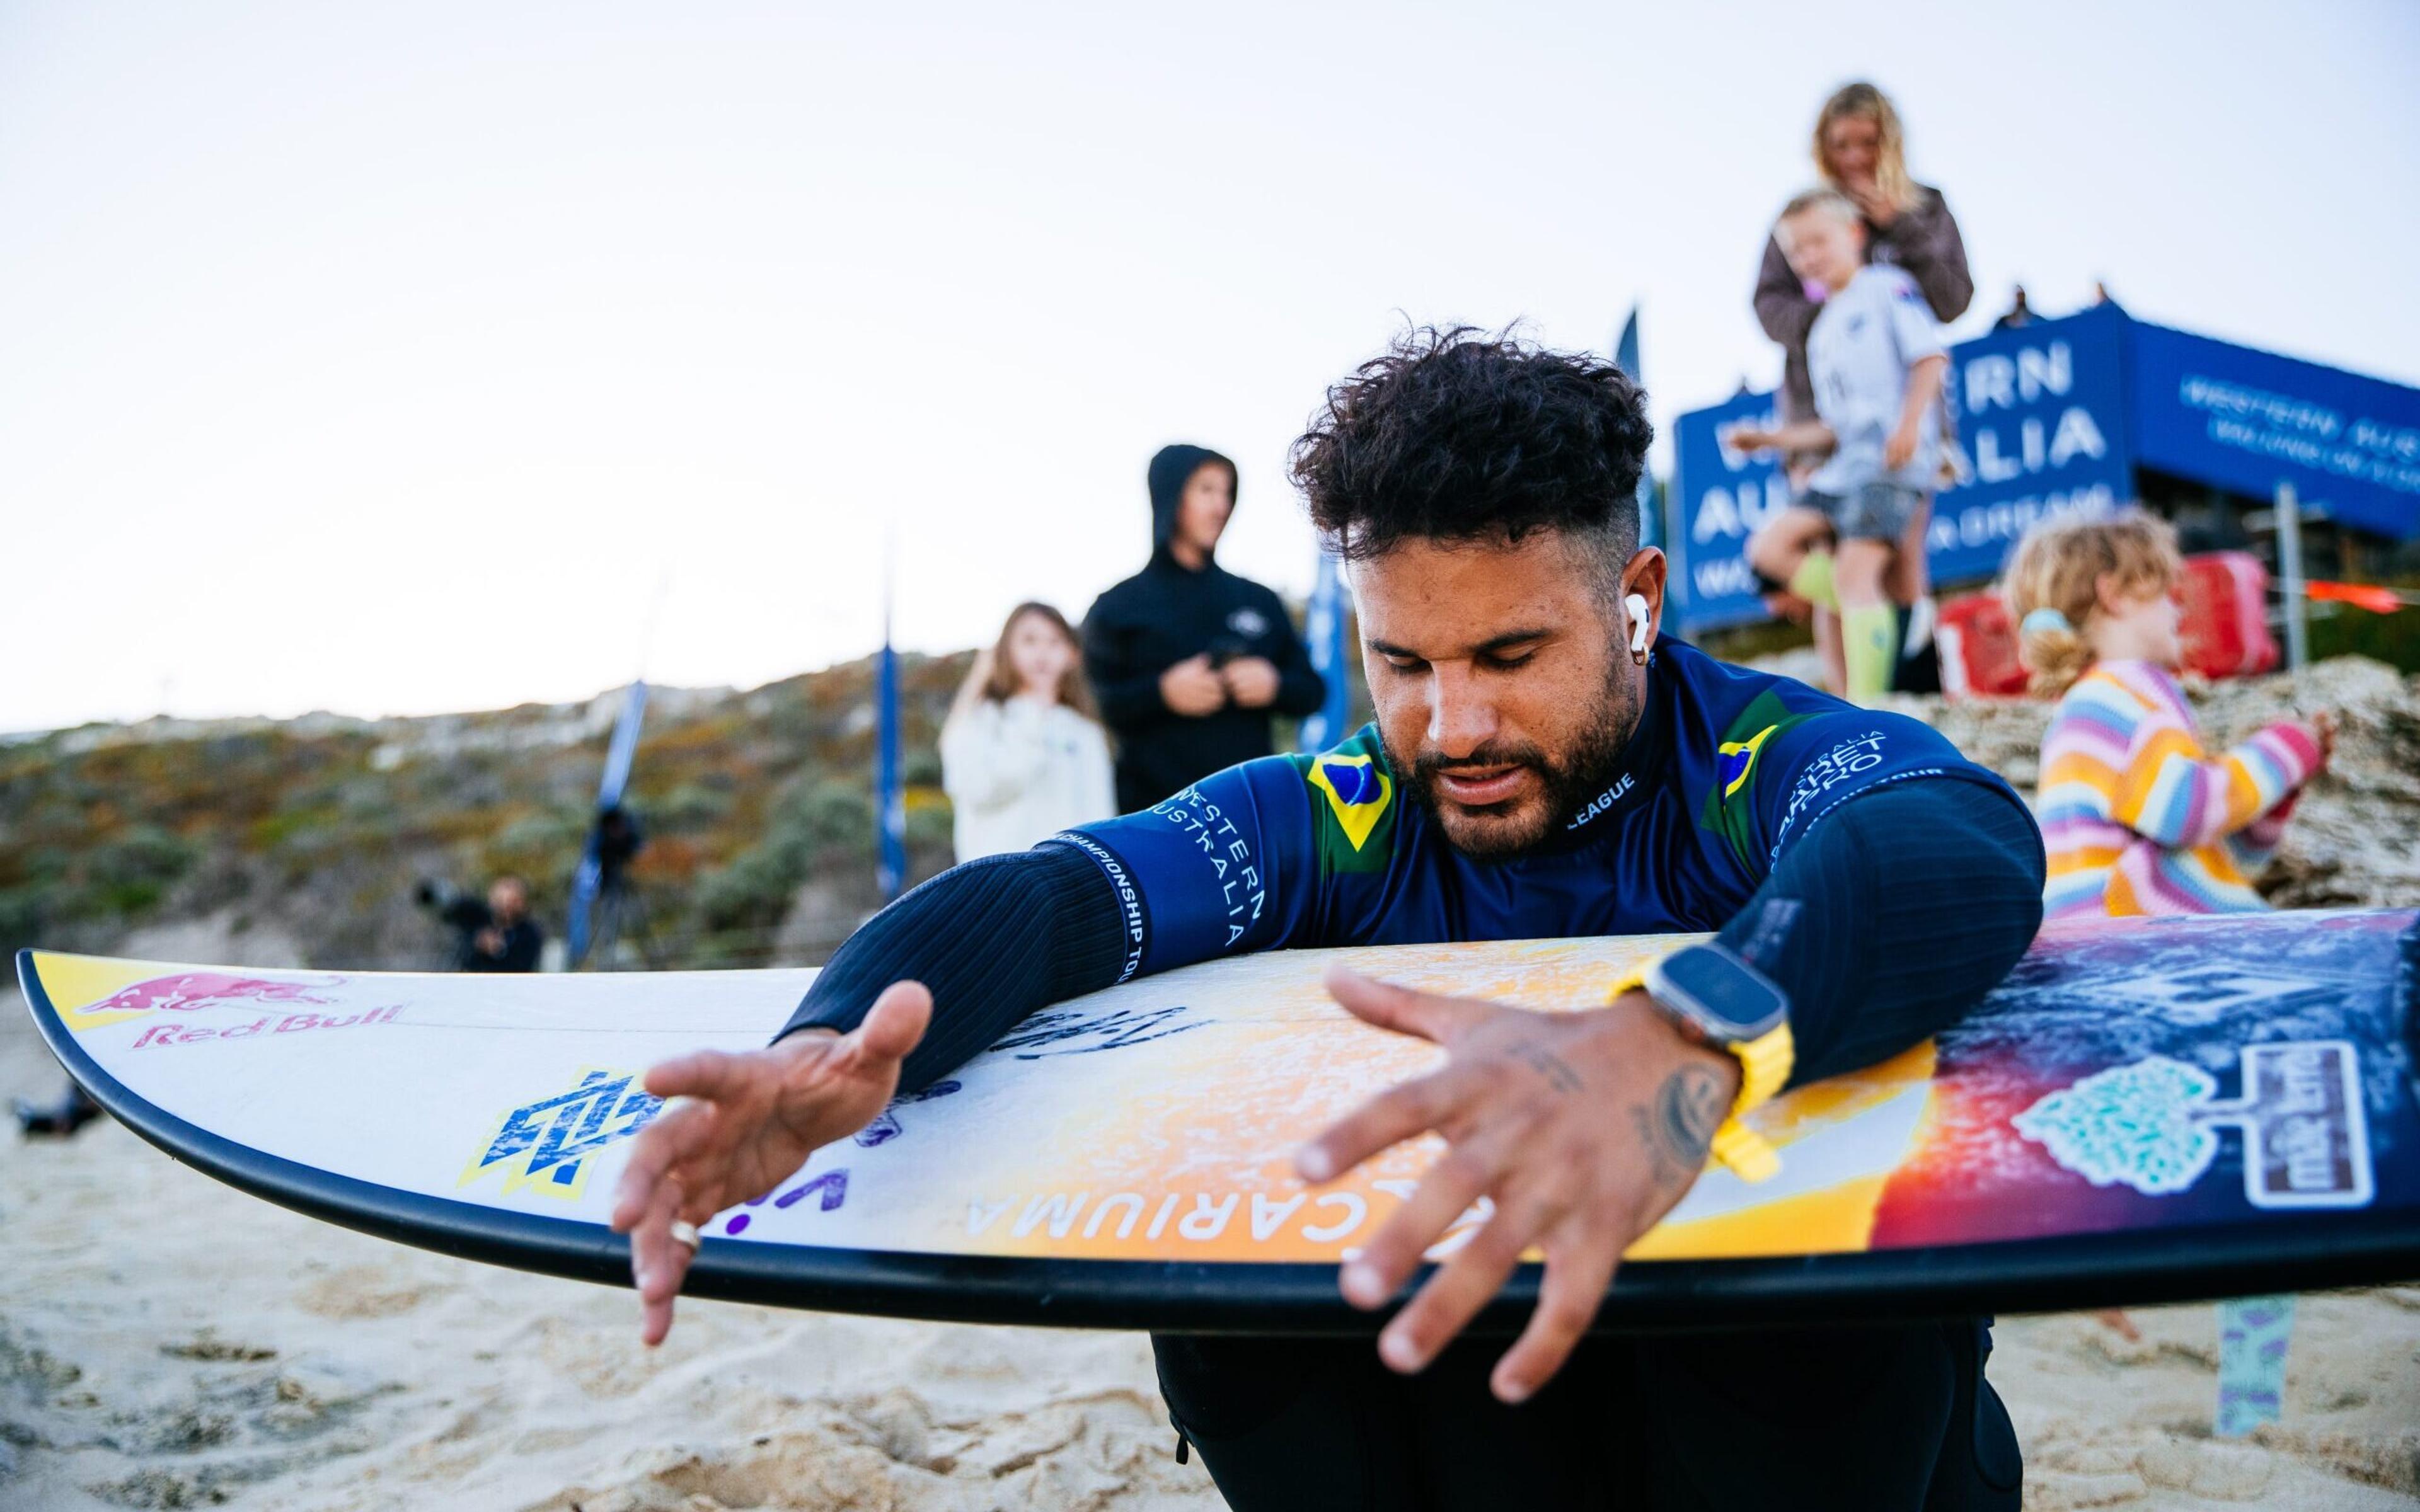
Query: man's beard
(1585, 772)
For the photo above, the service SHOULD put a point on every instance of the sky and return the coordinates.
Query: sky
(405, 359)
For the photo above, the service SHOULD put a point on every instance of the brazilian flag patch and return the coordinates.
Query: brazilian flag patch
(1354, 800)
(1730, 803)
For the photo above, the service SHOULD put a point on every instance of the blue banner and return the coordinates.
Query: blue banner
(2041, 418)
(1322, 632)
(890, 797)
(2040, 413)
(1721, 498)
(590, 875)
(2247, 421)
(625, 747)
(1626, 357)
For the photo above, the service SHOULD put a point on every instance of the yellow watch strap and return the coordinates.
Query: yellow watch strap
(1765, 1063)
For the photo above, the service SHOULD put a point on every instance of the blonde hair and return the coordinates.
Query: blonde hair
(1074, 690)
(1863, 100)
(1823, 201)
(2062, 565)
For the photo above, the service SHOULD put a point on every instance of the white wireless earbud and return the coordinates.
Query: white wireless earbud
(1636, 605)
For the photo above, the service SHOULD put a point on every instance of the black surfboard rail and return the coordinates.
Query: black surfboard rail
(2320, 1249)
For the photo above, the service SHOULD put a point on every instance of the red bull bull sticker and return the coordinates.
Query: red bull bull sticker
(194, 992)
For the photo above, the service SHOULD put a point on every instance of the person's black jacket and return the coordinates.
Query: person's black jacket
(1166, 613)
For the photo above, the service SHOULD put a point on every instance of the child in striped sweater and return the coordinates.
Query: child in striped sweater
(2136, 818)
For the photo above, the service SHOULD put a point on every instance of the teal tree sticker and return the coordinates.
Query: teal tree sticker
(2154, 1125)
(2133, 1124)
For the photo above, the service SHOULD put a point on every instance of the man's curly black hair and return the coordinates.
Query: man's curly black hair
(1456, 435)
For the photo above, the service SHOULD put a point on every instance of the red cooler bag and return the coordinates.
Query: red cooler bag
(2225, 623)
(1978, 649)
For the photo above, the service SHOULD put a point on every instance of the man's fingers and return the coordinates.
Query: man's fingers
(1390, 1006)
(675, 1136)
(1577, 1274)
(1454, 1295)
(1451, 1186)
(658, 1264)
(709, 1075)
(1395, 1114)
(894, 1025)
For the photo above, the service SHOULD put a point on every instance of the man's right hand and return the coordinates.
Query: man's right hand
(744, 1122)
(1193, 687)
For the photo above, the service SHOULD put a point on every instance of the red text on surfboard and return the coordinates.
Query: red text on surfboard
(167, 1034)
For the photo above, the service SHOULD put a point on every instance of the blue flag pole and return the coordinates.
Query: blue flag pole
(1626, 357)
(1323, 628)
(890, 798)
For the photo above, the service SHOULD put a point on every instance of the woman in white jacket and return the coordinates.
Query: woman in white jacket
(1022, 755)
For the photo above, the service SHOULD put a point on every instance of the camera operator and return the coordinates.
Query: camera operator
(494, 936)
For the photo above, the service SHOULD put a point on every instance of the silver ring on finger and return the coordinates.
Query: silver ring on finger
(685, 1235)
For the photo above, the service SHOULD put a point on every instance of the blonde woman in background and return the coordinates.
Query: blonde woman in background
(1861, 151)
(1023, 755)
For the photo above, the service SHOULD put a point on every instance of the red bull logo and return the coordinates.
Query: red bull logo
(168, 1032)
(192, 991)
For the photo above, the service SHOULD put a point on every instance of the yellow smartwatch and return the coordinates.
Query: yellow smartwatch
(1719, 1000)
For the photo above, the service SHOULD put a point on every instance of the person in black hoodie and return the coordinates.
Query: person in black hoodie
(1189, 661)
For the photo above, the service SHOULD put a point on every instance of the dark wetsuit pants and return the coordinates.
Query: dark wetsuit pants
(1873, 1419)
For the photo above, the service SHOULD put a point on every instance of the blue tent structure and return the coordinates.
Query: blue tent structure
(2066, 414)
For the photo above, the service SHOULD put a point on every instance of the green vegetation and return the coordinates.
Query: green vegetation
(750, 800)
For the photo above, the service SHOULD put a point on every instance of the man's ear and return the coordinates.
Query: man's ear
(1644, 577)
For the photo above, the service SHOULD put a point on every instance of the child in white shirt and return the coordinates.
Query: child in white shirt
(1877, 364)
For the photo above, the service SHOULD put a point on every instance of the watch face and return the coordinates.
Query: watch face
(1730, 1000)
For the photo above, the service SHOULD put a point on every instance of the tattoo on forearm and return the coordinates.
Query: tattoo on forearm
(1680, 1126)
(1553, 1066)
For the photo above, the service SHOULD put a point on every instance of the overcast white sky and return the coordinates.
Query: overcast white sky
(385, 358)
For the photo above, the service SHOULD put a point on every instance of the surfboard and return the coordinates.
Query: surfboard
(2145, 1111)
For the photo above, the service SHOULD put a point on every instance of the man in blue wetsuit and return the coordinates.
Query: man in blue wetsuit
(1542, 764)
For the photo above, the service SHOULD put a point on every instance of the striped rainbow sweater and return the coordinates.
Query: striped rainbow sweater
(2138, 821)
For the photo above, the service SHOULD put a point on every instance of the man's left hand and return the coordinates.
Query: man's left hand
(1583, 1128)
(1252, 682)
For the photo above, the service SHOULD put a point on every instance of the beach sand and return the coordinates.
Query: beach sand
(166, 1341)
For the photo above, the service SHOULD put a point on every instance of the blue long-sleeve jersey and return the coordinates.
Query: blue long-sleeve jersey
(1727, 770)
